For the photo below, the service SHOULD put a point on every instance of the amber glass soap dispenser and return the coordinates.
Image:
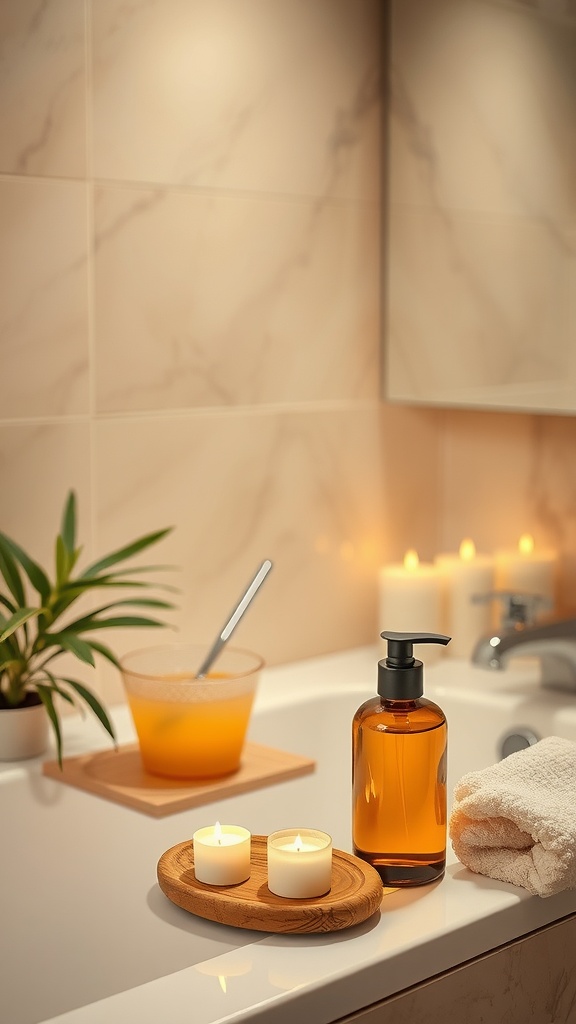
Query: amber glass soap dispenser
(399, 771)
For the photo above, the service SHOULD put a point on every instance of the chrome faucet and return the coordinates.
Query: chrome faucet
(552, 642)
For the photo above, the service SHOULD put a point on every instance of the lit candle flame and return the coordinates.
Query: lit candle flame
(526, 544)
(411, 560)
(222, 982)
(218, 833)
(298, 843)
(467, 550)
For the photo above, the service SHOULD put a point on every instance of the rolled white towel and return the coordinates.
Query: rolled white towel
(516, 820)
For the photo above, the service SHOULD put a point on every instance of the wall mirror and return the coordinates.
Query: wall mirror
(480, 288)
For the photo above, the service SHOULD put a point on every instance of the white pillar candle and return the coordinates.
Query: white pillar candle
(410, 599)
(299, 863)
(221, 854)
(528, 570)
(465, 576)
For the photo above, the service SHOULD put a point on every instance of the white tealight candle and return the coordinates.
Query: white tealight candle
(221, 854)
(527, 570)
(464, 576)
(410, 599)
(299, 863)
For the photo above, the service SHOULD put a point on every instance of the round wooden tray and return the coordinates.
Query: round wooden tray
(355, 895)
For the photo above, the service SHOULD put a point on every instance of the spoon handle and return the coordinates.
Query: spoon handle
(234, 619)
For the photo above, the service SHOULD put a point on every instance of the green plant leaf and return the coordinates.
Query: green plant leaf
(7, 604)
(17, 620)
(89, 623)
(93, 703)
(35, 573)
(7, 658)
(45, 694)
(30, 640)
(11, 649)
(128, 602)
(12, 642)
(11, 574)
(74, 588)
(61, 693)
(126, 552)
(69, 642)
(61, 562)
(68, 527)
(136, 569)
(105, 652)
(84, 583)
(71, 591)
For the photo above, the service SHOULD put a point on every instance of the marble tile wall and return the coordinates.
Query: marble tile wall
(190, 226)
(480, 268)
(190, 318)
(482, 216)
(504, 474)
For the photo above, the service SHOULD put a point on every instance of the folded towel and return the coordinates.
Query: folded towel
(516, 820)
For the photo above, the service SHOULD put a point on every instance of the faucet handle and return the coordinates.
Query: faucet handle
(520, 610)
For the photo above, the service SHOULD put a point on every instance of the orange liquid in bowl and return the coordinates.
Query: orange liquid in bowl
(192, 740)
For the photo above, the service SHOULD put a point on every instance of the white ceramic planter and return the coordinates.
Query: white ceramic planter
(23, 732)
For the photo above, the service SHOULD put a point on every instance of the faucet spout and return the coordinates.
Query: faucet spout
(553, 643)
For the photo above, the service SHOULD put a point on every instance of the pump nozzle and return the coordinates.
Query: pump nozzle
(400, 645)
(400, 676)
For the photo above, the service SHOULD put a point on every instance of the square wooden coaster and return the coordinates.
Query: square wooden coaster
(118, 775)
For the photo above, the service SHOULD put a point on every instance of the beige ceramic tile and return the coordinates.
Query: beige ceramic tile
(480, 91)
(43, 462)
(551, 495)
(507, 474)
(491, 322)
(238, 94)
(411, 440)
(482, 155)
(231, 301)
(42, 67)
(488, 480)
(300, 488)
(43, 298)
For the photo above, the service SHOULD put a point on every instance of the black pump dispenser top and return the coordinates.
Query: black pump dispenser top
(400, 675)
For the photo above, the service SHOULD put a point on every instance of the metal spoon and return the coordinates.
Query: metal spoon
(234, 619)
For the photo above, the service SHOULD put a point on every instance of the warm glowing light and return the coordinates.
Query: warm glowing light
(297, 845)
(369, 551)
(218, 833)
(222, 983)
(346, 551)
(467, 550)
(370, 788)
(321, 544)
(411, 560)
(526, 544)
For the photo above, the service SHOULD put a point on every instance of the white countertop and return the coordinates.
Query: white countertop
(79, 895)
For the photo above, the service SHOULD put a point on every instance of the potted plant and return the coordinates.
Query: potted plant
(35, 632)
